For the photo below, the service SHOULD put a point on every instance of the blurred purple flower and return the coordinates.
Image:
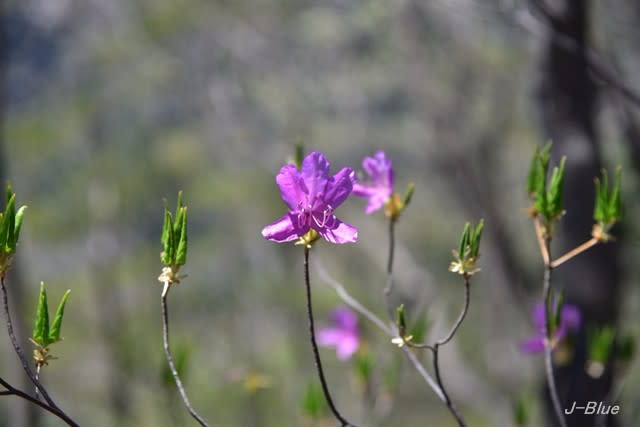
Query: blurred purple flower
(312, 195)
(380, 185)
(343, 335)
(570, 320)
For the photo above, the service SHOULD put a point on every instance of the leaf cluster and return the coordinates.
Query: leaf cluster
(608, 204)
(44, 333)
(10, 225)
(546, 195)
(466, 256)
(174, 236)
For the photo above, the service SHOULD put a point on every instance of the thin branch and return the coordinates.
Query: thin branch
(349, 300)
(25, 364)
(436, 347)
(167, 353)
(390, 331)
(12, 391)
(314, 345)
(548, 363)
(463, 313)
(574, 252)
(387, 291)
(392, 244)
(540, 236)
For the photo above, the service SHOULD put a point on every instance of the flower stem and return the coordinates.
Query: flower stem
(167, 353)
(436, 347)
(314, 345)
(575, 251)
(53, 408)
(548, 363)
(37, 392)
(441, 391)
(389, 330)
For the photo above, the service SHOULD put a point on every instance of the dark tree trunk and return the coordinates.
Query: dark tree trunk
(567, 98)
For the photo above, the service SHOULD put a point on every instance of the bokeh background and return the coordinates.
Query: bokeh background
(110, 106)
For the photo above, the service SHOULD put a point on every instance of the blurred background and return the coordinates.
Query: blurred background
(110, 106)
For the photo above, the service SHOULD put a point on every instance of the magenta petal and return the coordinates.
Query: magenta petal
(571, 316)
(339, 187)
(538, 316)
(345, 319)
(347, 346)
(340, 233)
(375, 203)
(315, 172)
(533, 345)
(329, 337)
(282, 230)
(372, 167)
(363, 190)
(292, 187)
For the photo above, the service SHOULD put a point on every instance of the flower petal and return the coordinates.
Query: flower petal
(315, 172)
(533, 345)
(292, 187)
(539, 316)
(571, 317)
(329, 337)
(339, 187)
(345, 319)
(283, 230)
(347, 345)
(375, 202)
(362, 190)
(339, 233)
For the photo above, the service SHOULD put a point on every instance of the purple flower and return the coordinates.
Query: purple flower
(312, 196)
(344, 335)
(380, 185)
(570, 321)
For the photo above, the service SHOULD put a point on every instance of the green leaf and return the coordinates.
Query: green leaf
(600, 344)
(18, 225)
(11, 224)
(614, 209)
(408, 195)
(556, 191)
(464, 240)
(363, 366)
(532, 178)
(41, 327)
(401, 322)
(177, 223)
(419, 329)
(557, 315)
(313, 403)
(625, 348)
(167, 239)
(521, 412)
(475, 239)
(8, 223)
(54, 334)
(599, 210)
(181, 253)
